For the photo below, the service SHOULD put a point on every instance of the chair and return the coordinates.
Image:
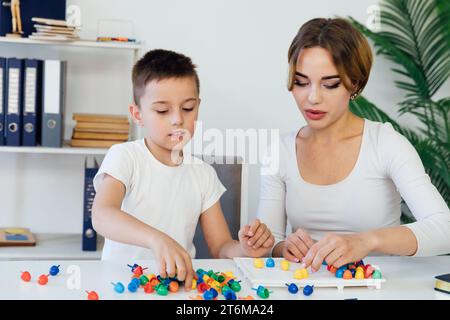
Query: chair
(233, 176)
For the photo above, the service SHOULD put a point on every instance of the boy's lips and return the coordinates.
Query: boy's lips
(177, 135)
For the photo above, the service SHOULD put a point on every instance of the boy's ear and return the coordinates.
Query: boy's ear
(135, 114)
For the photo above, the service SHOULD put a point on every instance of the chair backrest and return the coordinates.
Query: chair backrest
(232, 174)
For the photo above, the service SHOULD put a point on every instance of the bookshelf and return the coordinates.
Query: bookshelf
(66, 149)
(61, 246)
(54, 247)
(134, 46)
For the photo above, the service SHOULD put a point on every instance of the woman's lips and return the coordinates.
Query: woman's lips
(314, 114)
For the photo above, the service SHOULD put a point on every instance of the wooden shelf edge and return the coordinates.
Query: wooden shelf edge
(52, 246)
(77, 43)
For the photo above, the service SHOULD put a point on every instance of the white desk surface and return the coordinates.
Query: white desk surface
(406, 278)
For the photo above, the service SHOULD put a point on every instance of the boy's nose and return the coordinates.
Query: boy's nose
(177, 118)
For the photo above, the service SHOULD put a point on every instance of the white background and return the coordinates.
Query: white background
(240, 48)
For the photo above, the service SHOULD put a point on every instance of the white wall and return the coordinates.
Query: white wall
(240, 48)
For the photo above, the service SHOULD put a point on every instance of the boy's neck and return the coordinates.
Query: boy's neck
(168, 157)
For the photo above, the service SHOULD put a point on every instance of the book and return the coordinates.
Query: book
(102, 127)
(16, 237)
(108, 118)
(100, 136)
(52, 22)
(443, 283)
(54, 28)
(89, 239)
(52, 38)
(87, 143)
(52, 35)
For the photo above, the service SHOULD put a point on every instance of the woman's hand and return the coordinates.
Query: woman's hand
(173, 260)
(296, 245)
(256, 239)
(338, 250)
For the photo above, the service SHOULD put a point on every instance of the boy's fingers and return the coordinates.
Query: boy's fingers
(255, 224)
(171, 268)
(181, 269)
(188, 281)
(162, 268)
(189, 274)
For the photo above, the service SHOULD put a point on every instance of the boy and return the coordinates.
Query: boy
(150, 196)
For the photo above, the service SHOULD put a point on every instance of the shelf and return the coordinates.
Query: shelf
(66, 149)
(52, 247)
(78, 43)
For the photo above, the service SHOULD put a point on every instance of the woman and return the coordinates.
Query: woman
(341, 178)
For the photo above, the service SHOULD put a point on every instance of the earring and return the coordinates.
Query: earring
(353, 96)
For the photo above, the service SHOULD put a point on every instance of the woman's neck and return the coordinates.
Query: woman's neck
(345, 127)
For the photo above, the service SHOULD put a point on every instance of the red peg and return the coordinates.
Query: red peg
(92, 295)
(26, 276)
(43, 279)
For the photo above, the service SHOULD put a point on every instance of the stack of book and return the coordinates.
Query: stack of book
(52, 29)
(99, 130)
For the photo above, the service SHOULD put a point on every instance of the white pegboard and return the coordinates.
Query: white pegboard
(277, 277)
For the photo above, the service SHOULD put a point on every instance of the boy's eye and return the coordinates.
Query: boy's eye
(161, 111)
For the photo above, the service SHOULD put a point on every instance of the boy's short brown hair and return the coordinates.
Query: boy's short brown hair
(161, 64)
(350, 50)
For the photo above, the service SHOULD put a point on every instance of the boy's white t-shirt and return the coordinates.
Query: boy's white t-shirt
(169, 199)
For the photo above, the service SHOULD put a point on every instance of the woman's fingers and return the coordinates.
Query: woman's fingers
(305, 237)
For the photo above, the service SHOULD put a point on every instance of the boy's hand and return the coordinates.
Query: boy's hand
(256, 239)
(297, 245)
(173, 260)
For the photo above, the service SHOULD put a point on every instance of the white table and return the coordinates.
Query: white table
(406, 278)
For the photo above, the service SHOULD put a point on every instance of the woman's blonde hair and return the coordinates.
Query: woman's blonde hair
(350, 50)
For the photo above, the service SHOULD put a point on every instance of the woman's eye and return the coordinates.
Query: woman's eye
(188, 109)
(332, 86)
(300, 84)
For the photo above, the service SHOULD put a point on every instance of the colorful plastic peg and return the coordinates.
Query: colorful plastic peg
(162, 290)
(234, 285)
(26, 276)
(43, 279)
(133, 267)
(174, 286)
(262, 292)
(270, 263)
(143, 280)
(376, 274)
(285, 265)
(118, 287)
(54, 270)
(258, 263)
(92, 295)
(308, 290)
(148, 288)
(230, 295)
(132, 287)
(292, 288)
